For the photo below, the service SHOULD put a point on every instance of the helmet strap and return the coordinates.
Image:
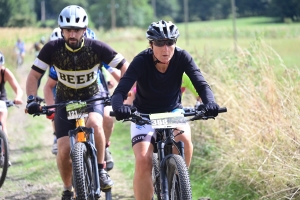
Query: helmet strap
(158, 61)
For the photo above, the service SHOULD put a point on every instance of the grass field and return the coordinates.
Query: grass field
(252, 151)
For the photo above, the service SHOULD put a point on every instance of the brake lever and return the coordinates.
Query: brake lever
(127, 120)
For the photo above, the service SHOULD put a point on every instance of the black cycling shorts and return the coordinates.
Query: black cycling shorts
(63, 125)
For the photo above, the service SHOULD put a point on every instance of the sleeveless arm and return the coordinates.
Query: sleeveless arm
(10, 78)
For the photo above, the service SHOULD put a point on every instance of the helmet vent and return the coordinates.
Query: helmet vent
(73, 16)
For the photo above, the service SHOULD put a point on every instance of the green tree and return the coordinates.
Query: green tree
(202, 10)
(17, 13)
(285, 9)
(247, 8)
(4, 12)
(168, 10)
(128, 12)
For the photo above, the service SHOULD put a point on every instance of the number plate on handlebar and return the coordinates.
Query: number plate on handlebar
(167, 120)
(75, 110)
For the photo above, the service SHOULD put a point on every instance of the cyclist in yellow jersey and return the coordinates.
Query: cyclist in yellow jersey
(187, 84)
(76, 60)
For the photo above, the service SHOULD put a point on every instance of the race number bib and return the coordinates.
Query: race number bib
(167, 120)
(75, 110)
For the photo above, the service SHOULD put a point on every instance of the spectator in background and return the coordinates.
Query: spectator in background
(37, 46)
(20, 51)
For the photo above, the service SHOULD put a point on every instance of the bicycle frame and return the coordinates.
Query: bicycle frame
(86, 135)
(81, 135)
(165, 143)
(164, 150)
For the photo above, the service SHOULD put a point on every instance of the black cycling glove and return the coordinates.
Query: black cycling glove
(33, 108)
(123, 112)
(212, 109)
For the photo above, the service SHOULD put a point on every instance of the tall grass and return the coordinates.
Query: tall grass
(256, 143)
(250, 152)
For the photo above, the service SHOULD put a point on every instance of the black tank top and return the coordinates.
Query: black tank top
(3, 95)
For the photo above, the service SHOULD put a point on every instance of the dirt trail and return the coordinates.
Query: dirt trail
(24, 189)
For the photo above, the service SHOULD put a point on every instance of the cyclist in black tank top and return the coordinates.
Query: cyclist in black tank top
(158, 73)
(7, 76)
(76, 60)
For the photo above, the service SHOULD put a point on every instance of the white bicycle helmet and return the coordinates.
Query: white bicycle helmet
(73, 16)
(2, 61)
(56, 34)
(162, 30)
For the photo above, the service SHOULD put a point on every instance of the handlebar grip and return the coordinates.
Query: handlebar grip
(222, 110)
(112, 114)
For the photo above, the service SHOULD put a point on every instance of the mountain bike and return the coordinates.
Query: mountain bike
(4, 150)
(169, 171)
(83, 153)
(19, 57)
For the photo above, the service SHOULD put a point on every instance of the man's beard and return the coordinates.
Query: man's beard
(74, 45)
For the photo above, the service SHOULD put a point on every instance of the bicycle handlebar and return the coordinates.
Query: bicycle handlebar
(9, 103)
(47, 110)
(143, 119)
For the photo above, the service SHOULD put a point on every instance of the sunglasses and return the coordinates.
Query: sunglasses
(161, 43)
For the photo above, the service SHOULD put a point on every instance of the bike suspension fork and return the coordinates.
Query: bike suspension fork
(94, 162)
(163, 176)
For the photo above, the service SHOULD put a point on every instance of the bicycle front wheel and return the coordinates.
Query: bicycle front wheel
(82, 172)
(4, 157)
(178, 179)
(156, 177)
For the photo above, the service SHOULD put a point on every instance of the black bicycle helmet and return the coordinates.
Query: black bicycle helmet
(162, 30)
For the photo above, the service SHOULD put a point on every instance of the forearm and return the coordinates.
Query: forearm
(48, 95)
(19, 93)
(124, 68)
(31, 83)
(116, 76)
(48, 91)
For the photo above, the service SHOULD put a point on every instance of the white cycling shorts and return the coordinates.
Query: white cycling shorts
(3, 107)
(144, 133)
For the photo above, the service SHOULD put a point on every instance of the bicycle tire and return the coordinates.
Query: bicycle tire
(82, 172)
(156, 177)
(5, 149)
(178, 178)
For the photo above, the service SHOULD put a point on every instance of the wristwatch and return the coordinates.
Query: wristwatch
(30, 98)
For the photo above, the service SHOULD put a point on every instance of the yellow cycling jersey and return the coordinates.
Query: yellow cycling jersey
(77, 69)
(187, 84)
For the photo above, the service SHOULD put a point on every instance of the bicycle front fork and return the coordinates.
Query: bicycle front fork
(163, 147)
(80, 135)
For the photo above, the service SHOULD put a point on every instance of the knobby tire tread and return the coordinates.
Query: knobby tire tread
(4, 146)
(82, 172)
(178, 179)
(156, 177)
